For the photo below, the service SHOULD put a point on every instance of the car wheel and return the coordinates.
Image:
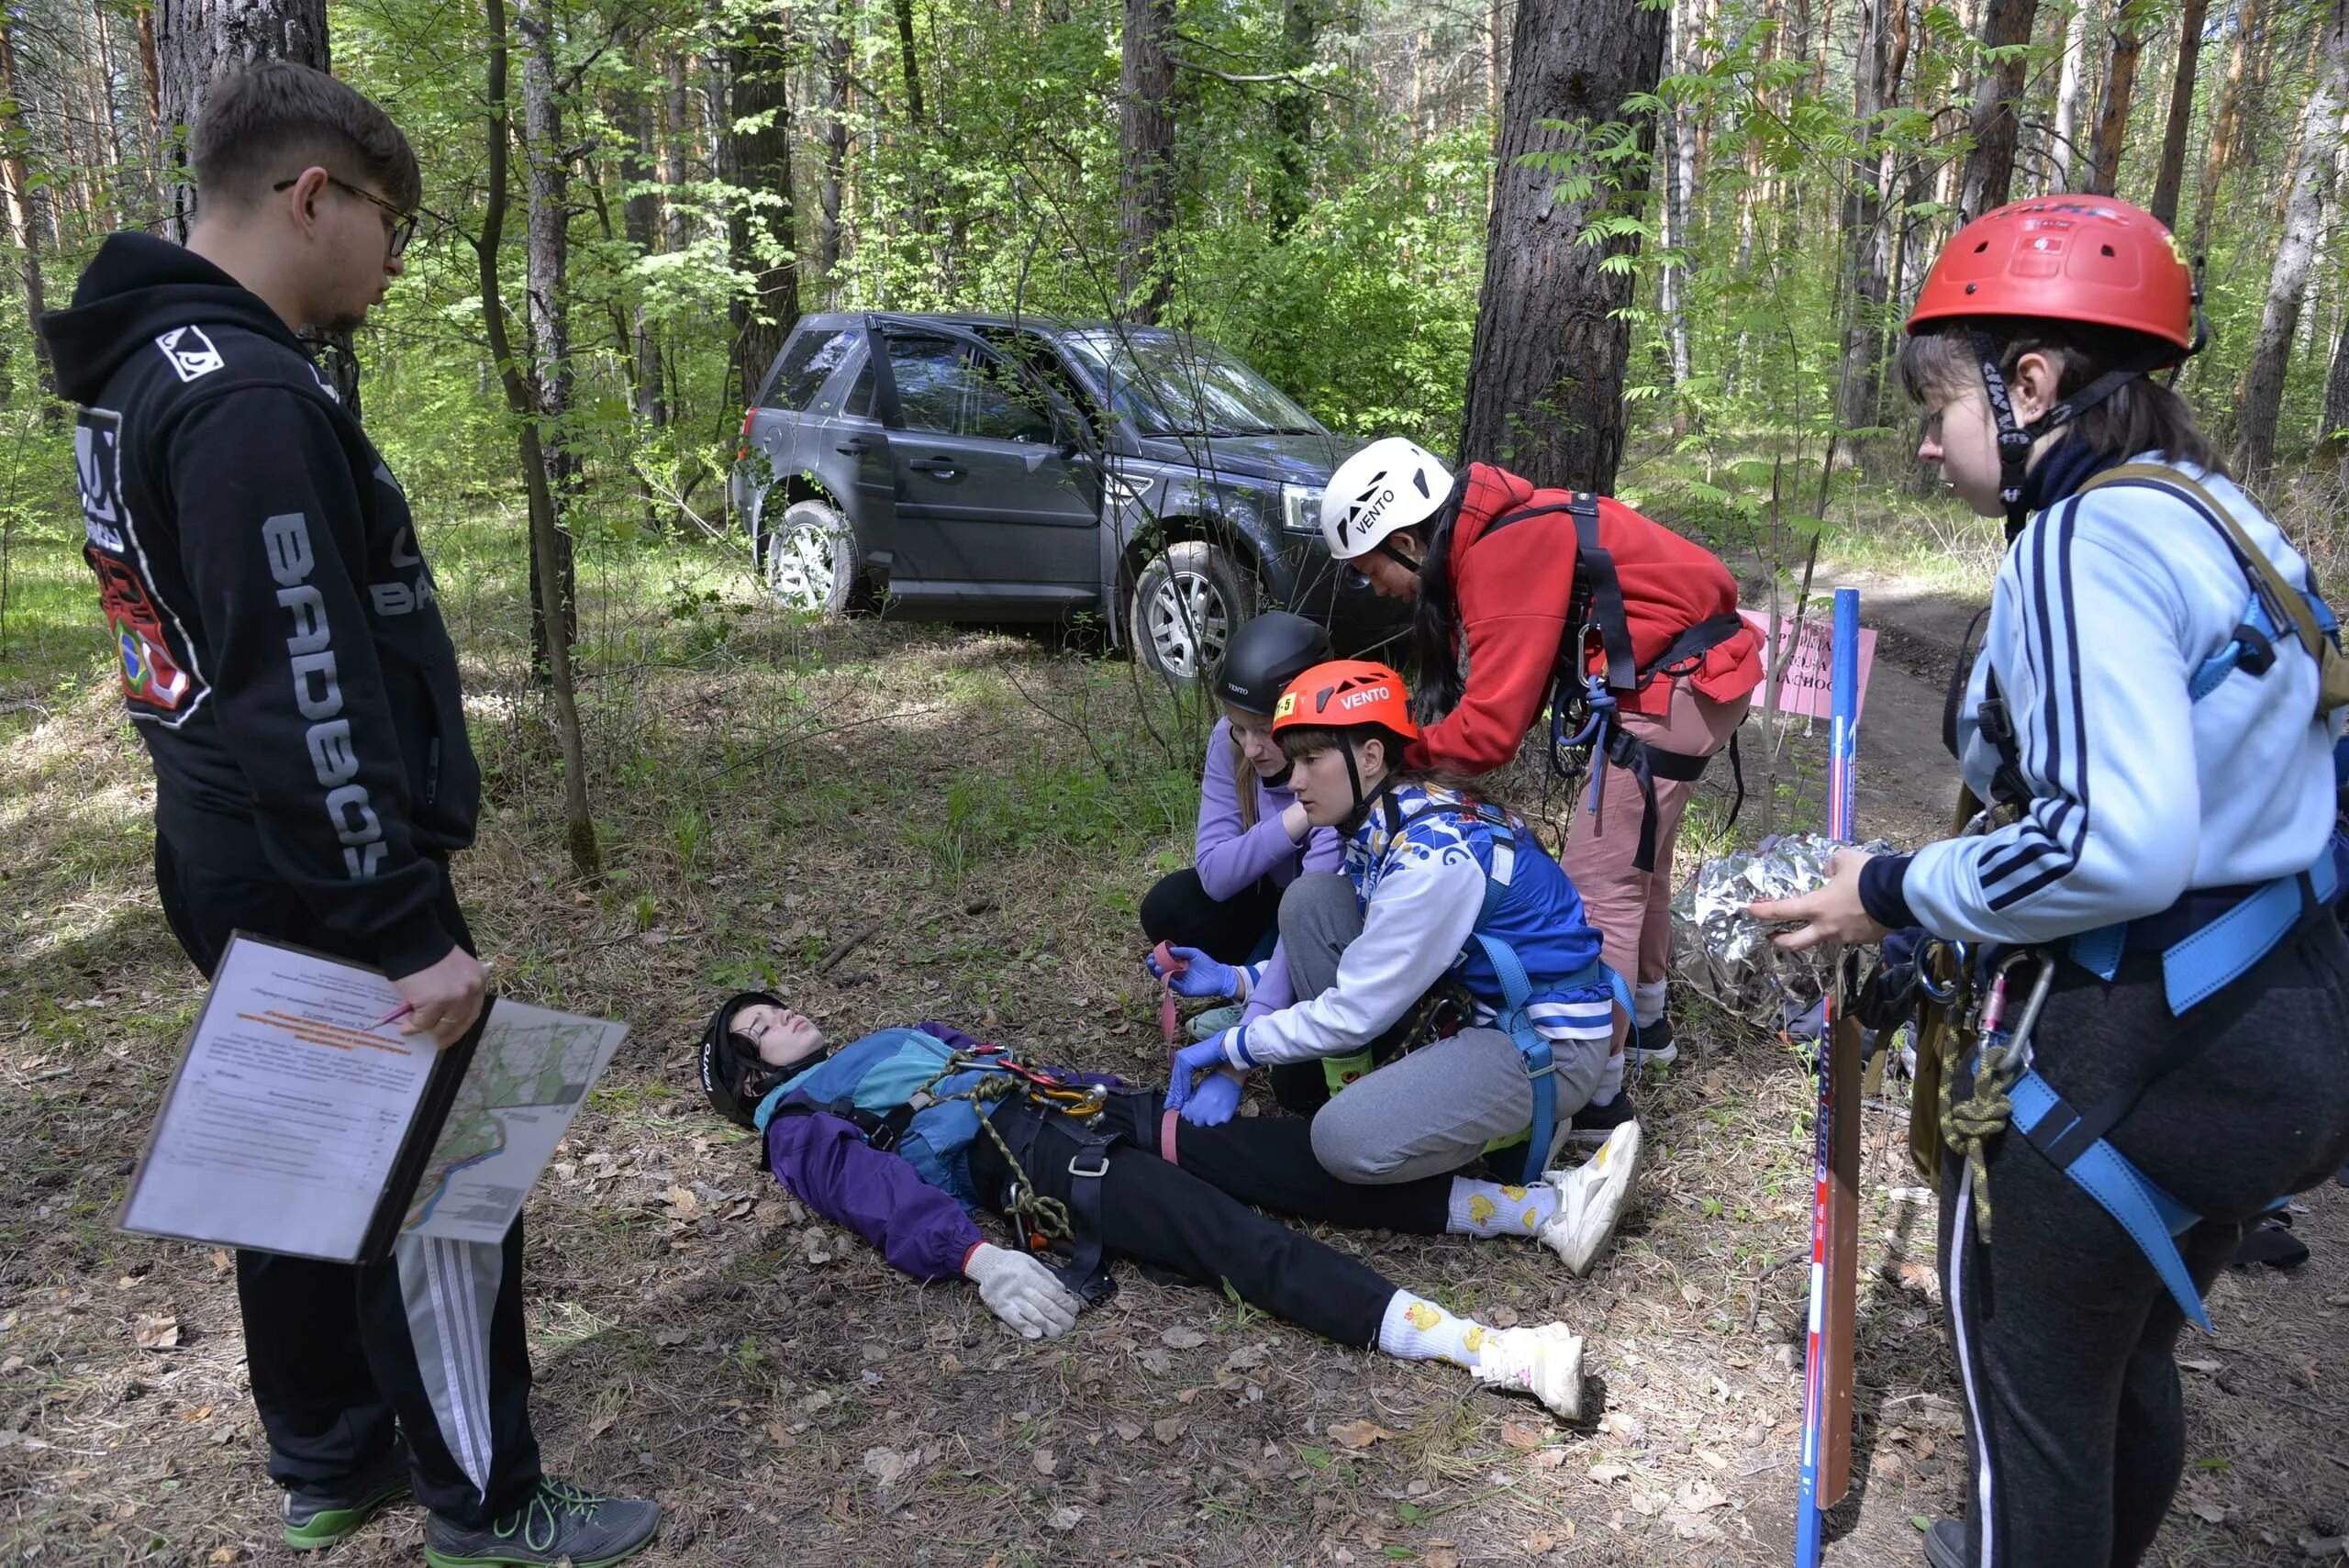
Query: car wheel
(810, 559)
(1188, 602)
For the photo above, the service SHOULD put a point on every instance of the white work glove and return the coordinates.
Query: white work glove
(1022, 1292)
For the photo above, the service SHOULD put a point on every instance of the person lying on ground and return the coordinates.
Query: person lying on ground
(903, 1136)
(1440, 892)
(1253, 839)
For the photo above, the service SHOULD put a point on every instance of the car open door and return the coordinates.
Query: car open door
(997, 500)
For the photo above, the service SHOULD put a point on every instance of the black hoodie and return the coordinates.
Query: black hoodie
(280, 642)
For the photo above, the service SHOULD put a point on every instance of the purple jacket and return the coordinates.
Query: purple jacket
(1230, 857)
(824, 1162)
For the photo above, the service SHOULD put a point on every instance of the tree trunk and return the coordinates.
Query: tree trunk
(2263, 394)
(1990, 165)
(546, 285)
(2113, 106)
(2332, 434)
(2060, 152)
(677, 131)
(2224, 118)
(1146, 161)
(909, 62)
(2171, 176)
(1292, 190)
(579, 825)
(23, 200)
(199, 41)
(1680, 185)
(641, 216)
(1545, 375)
(759, 226)
(1864, 282)
(828, 234)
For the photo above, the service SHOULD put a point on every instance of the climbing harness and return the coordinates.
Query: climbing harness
(1038, 1221)
(1585, 729)
(1513, 1015)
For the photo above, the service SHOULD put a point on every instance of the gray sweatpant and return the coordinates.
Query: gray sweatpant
(1433, 1110)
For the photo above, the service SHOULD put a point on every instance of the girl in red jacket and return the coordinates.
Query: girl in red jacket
(1631, 629)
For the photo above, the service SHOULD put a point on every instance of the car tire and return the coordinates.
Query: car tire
(810, 560)
(1188, 601)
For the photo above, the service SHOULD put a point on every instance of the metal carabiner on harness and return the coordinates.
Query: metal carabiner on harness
(1961, 955)
(1595, 709)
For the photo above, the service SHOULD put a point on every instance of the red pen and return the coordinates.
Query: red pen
(394, 1016)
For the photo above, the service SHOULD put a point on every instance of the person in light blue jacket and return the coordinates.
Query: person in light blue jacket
(2159, 1055)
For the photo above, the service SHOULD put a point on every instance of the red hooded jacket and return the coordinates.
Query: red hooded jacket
(1513, 592)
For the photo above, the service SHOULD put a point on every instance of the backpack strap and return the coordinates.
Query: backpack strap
(2284, 604)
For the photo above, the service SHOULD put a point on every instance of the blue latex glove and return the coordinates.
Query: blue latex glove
(1199, 976)
(1189, 1062)
(1215, 1101)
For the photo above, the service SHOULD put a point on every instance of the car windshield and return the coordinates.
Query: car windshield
(1173, 385)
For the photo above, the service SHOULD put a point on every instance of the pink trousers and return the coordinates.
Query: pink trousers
(1631, 908)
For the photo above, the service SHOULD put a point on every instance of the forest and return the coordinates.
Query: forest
(1658, 248)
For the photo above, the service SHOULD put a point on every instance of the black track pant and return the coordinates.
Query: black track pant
(2064, 1334)
(1194, 1217)
(431, 1339)
(1177, 909)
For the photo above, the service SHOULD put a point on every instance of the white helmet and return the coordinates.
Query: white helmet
(1391, 484)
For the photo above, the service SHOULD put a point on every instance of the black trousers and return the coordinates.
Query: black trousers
(1194, 1217)
(430, 1341)
(2065, 1336)
(1177, 910)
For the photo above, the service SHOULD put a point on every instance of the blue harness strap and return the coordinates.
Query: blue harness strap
(1516, 989)
(2151, 1217)
(2221, 948)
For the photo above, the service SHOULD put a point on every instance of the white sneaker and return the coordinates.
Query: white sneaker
(1545, 1362)
(1591, 1198)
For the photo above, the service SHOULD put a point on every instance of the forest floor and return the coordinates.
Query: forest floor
(769, 790)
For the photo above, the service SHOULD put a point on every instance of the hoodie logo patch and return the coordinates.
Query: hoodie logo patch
(190, 351)
(94, 466)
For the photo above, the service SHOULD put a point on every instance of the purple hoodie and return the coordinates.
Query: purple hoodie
(824, 1162)
(1230, 857)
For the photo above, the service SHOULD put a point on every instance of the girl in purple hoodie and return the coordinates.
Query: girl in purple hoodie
(1253, 839)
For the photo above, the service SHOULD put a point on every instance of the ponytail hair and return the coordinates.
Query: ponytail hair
(1435, 619)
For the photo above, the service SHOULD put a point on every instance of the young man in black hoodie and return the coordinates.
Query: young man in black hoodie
(284, 657)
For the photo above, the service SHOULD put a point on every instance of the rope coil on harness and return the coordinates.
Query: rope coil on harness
(2004, 1053)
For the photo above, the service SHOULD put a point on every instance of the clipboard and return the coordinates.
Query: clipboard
(288, 1125)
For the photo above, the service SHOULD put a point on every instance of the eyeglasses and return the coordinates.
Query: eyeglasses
(399, 227)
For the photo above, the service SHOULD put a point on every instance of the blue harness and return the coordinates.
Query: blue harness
(2208, 940)
(1516, 991)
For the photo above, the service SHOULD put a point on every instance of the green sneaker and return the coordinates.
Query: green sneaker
(317, 1516)
(559, 1524)
(1214, 1021)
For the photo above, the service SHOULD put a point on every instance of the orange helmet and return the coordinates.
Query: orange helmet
(2088, 259)
(1343, 694)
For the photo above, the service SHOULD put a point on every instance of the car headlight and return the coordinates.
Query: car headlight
(1301, 508)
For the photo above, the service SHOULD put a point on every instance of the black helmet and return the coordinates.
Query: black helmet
(735, 1079)
(1264, 656)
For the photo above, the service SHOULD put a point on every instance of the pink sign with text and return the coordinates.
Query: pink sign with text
(1806, 686)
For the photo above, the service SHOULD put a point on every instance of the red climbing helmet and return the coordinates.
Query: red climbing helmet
(2091, 259)
(1343, 694)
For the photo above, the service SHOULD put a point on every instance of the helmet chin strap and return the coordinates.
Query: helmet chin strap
(2016, 439)
(1362, 802)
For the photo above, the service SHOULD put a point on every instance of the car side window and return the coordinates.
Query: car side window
(931, 384)
(1002, 406)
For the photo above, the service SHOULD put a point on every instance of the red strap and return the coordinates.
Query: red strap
(1169, 966)
(1166, 1125)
